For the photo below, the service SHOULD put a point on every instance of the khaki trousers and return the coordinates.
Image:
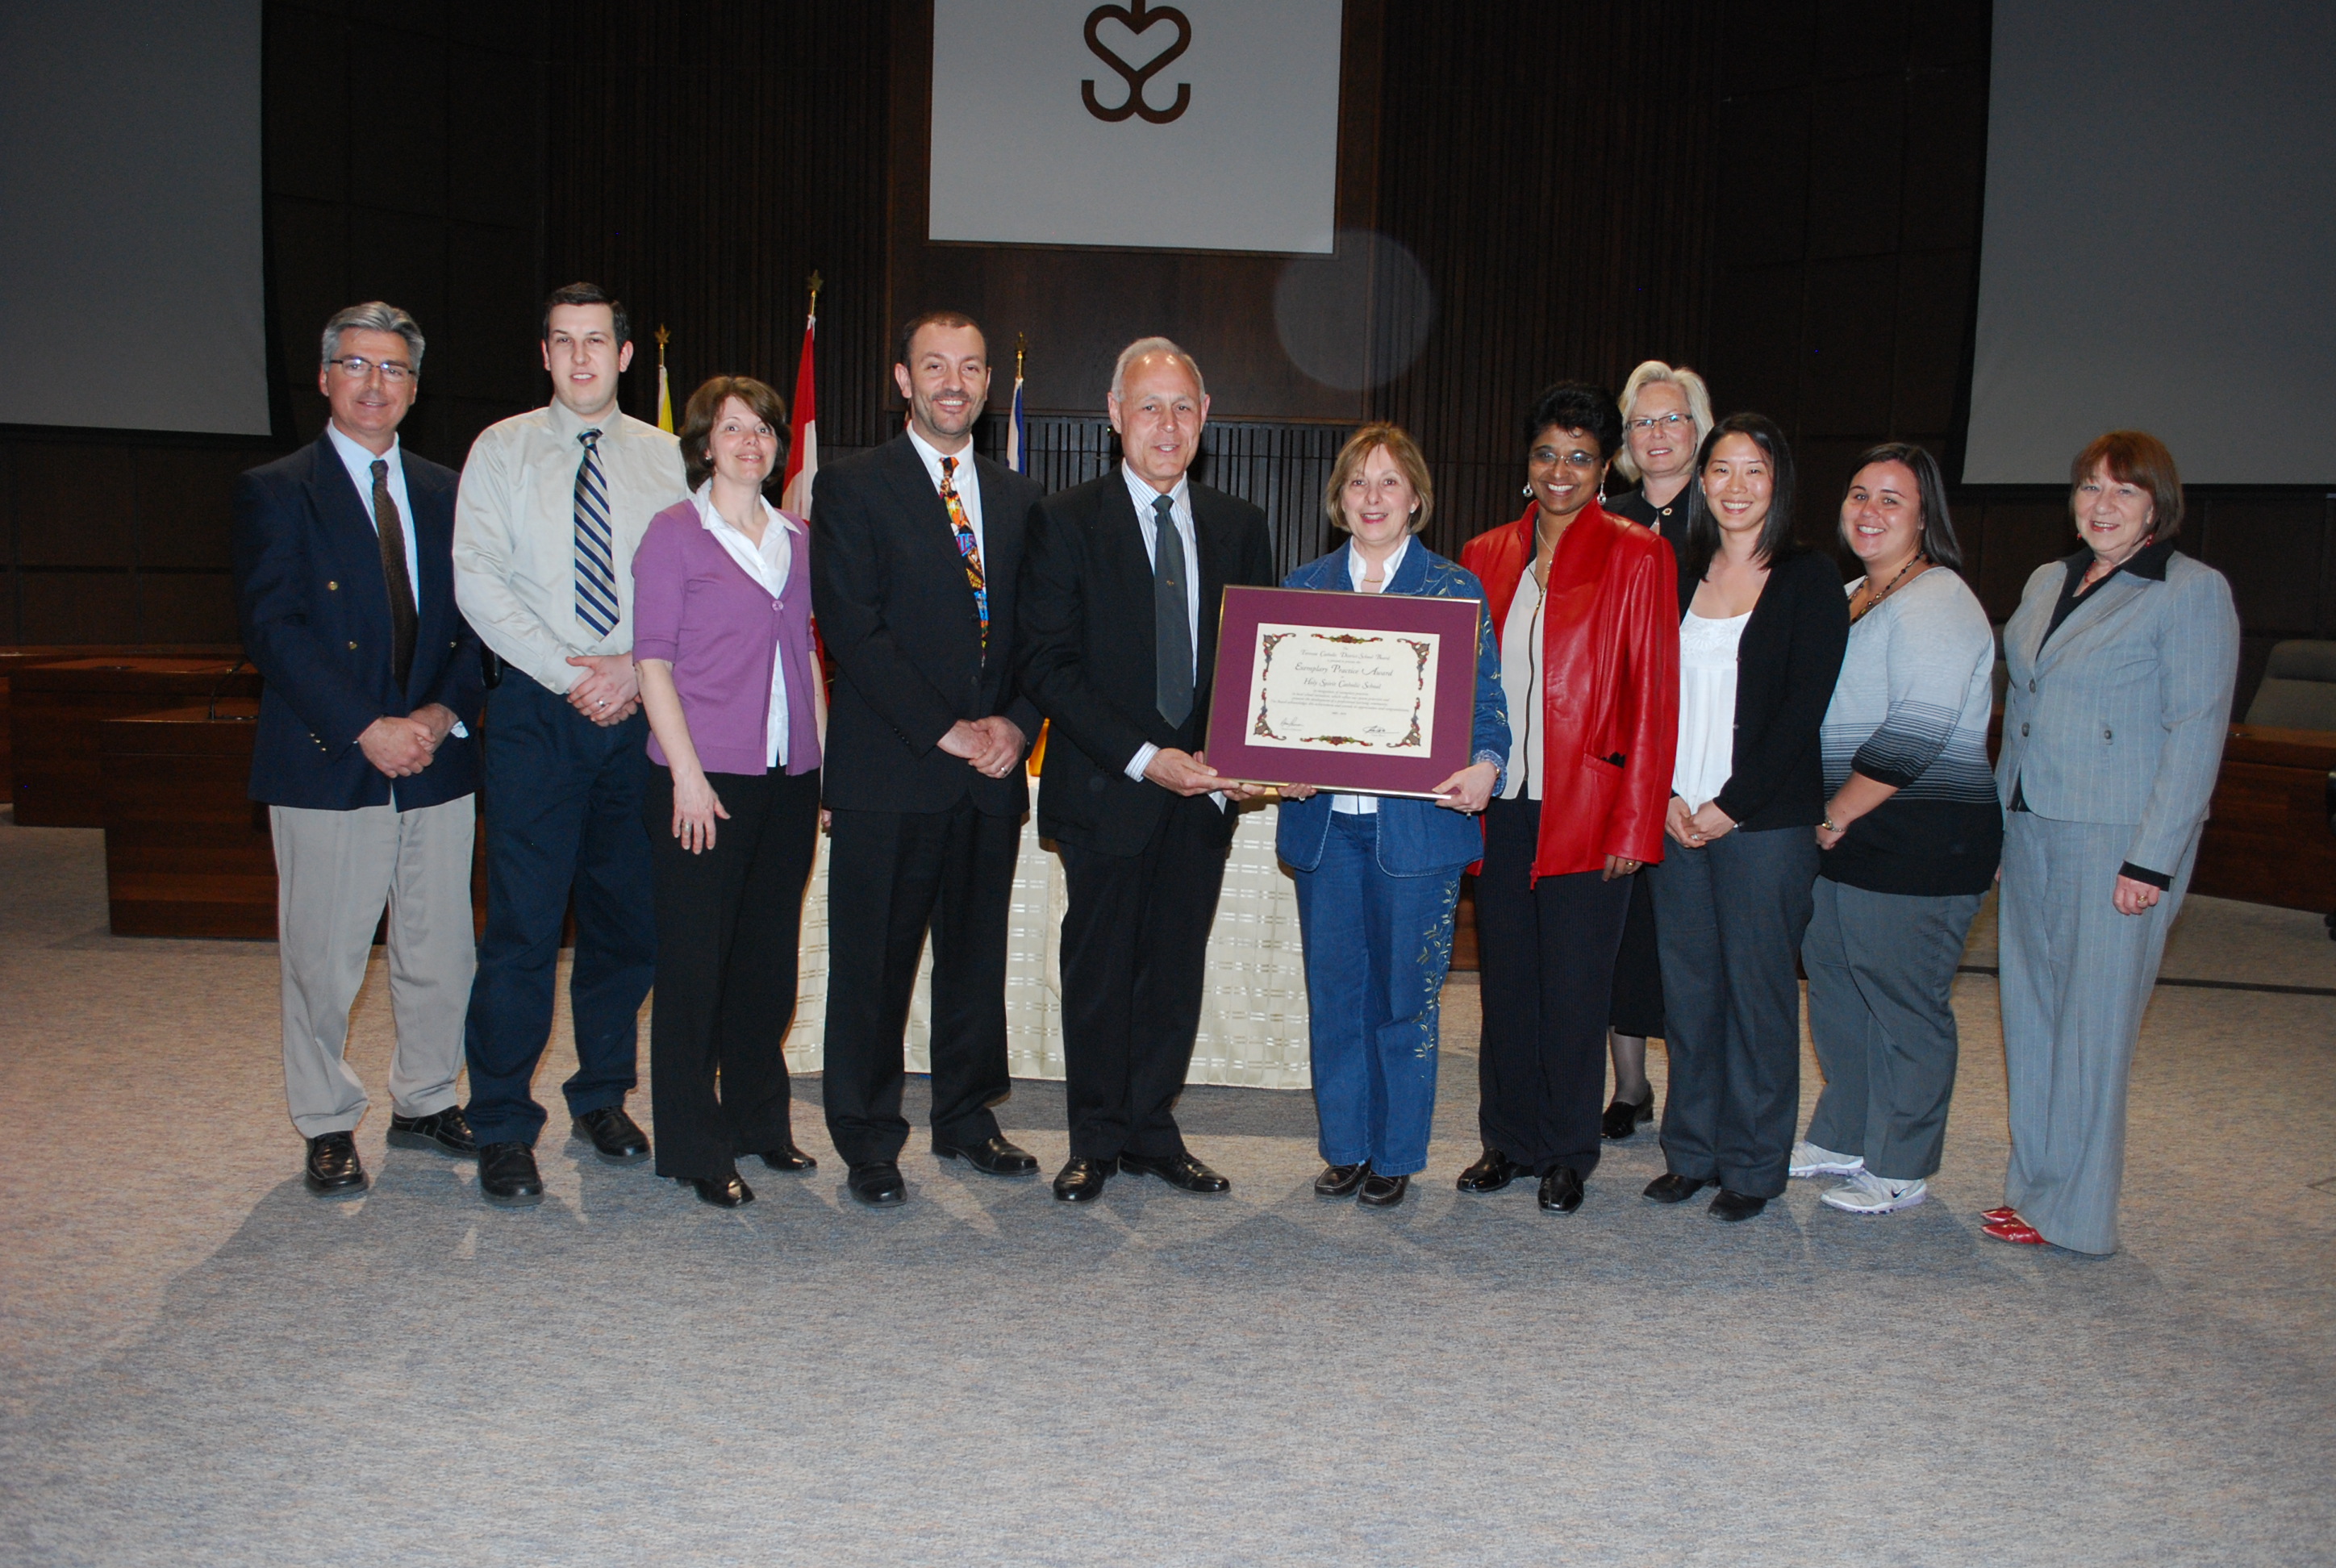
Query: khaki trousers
(335, 871)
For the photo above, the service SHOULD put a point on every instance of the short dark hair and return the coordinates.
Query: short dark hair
(1777, 532)
(916, 324)
(589, 293)
(705, 407)
(1579, 406)
(1938, 540)
(2134, 457)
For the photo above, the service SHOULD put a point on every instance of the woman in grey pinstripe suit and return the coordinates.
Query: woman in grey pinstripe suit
(2121, 659)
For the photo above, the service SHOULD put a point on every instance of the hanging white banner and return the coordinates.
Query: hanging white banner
(1201, 125)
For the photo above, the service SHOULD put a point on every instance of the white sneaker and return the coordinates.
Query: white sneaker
(1867, 1194)
(1808, 1160)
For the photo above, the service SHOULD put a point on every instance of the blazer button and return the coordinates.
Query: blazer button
(2109, 735)
(2023, 731)
(352, 648)
(2031, 686)
(331, 586)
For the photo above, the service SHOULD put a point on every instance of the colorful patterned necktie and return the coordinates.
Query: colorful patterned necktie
(596, 543)
(966, 547)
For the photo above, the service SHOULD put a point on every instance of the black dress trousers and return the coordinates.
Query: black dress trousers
(730, 922)
(901, 874)
(1545, 970)
(1134, 959)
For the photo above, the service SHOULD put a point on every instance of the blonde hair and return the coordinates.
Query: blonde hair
(1407, 458)
(1691, 387)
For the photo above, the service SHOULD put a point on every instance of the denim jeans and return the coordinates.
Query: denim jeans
(1377, 948)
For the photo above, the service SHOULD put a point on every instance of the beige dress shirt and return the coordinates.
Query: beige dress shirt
(515, 532)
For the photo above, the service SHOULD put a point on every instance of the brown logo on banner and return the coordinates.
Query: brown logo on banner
(1138, 19)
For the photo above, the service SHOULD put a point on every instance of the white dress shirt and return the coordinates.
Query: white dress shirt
(1707, 724)
(1180, 507)
(968, 484)
(1357, 806)
(768, 564)
(359, 462)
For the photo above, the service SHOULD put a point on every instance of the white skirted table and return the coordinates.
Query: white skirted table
(1253, 1021)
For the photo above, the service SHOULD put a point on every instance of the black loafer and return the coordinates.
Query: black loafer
(787, 1157)
(1383, 1191)
(1081, 1180)
(727, 1193)
(614, 1136)
(1623, 1118)
(1560, 1190)
(1732, 1206)
(333, 1166)
(1676, 1189)
(508, 1176)
(1179, 1170)
(1340, 1181)
(993, 1156)
(445, 1132)
(1492, 1171)
(878, 1184)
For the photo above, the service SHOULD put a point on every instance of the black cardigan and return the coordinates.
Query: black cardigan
(1786, 666)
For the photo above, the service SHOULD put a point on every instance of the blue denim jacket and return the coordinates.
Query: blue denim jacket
(1416, 838)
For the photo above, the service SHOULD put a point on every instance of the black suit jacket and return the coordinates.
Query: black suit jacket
(313, 609)
(1086, 651)
(1786, 666)
(889, 588)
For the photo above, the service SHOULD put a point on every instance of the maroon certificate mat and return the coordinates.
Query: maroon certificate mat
(1365, 692)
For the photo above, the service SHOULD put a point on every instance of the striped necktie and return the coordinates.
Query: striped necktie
(596, 543)
(966, 547)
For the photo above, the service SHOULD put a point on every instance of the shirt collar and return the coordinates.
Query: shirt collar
(1394, 562)
(567, 426)
(933, 454)
(2149, 562)
(356, 457)
(1140, 492)
(714, 522)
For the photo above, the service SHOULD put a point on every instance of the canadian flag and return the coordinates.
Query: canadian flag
(802, 446)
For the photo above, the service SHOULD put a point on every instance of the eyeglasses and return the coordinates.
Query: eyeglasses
(1669, 424)
(357, 367)
(1550, 457)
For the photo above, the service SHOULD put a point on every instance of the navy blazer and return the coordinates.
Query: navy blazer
(314, 608)
(1416, 838)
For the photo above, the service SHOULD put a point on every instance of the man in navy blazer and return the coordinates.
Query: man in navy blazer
(345, 590)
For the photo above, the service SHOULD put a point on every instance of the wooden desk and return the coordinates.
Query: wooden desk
(20, 655)
(2269, 840)
(187, 853)
(56, 706)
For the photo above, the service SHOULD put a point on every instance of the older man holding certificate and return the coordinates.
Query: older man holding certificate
(1379, 879)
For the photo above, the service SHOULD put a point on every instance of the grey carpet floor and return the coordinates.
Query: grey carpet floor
(203, 1364)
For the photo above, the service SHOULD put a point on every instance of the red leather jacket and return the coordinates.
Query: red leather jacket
(1609, 682)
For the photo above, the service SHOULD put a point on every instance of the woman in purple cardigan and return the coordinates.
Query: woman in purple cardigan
(722, 638)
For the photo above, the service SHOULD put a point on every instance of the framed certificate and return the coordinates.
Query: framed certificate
(1374, 694)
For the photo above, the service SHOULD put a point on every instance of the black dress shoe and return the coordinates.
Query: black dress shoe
(445, 1132)
(1081, 1180)
(616, 1137)
(1383, 1191)
(333, 1167)
(1340, 1181)
(1560, 1190)
(1624, 1118)
(1732, 1206)
(1179, 1170)
(878, 1184)
(508, 1176)
(1492, 1171)
(1676, 1189)
(787, 1157)
(993, 1156)
(727, 1193)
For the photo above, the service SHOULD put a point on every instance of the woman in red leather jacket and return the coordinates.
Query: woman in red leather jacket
(1587, 611)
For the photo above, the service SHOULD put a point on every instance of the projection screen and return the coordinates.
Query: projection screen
(2160, 241)
(133, 290)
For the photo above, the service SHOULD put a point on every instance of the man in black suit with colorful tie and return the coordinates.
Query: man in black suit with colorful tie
(1118, 639)
(344, 592)
(916, 548)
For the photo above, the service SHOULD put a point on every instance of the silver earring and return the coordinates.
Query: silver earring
(1528, 490)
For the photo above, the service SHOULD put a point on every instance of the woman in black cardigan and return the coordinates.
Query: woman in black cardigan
(1762, 626)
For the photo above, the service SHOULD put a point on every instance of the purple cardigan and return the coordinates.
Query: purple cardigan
(697, 610)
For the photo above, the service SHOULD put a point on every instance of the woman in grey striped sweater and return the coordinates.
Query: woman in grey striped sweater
(1912, 837)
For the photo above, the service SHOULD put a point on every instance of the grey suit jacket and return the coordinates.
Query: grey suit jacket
(2121, 717)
